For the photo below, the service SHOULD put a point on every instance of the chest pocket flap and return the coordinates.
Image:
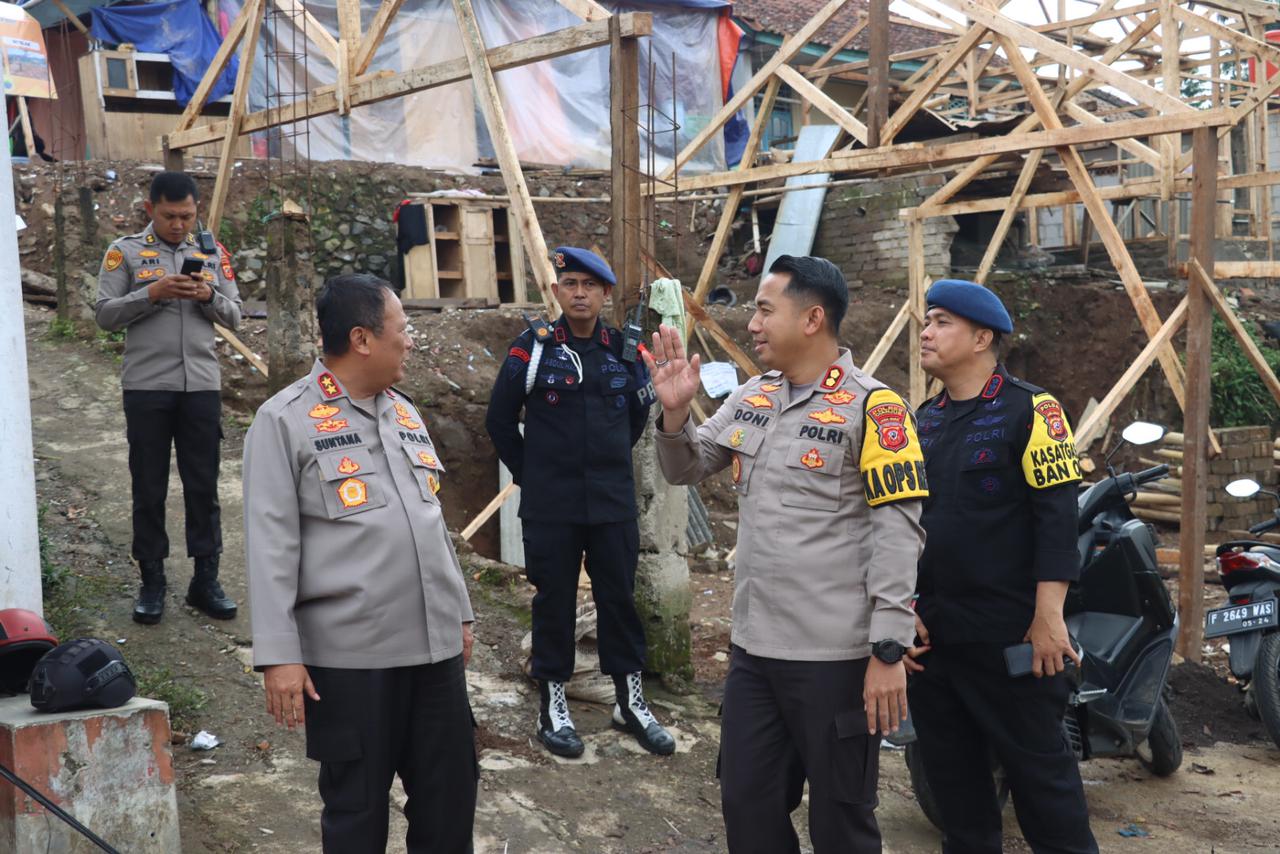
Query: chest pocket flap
(743, 440)
(421, 457)
(816, 467)
(350, 482)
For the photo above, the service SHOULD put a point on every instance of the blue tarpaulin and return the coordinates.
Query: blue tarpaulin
(179, 28)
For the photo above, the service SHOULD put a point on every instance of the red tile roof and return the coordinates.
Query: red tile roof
(788, 16)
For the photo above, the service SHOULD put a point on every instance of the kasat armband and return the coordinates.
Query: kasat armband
(1050, 457)
(892, 461)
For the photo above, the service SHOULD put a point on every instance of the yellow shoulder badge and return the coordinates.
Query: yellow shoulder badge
(113, 260)
(892, 462)
(1050, 457)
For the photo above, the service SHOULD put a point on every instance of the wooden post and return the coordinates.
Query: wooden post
(878, 85)
(235, 118)
(174, 158)
(915, 274)
(624, 191)
(1195, 424)
(28, 137)
(512, 175)
(60, 255)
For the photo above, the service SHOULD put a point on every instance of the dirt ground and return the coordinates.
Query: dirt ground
(256, 792)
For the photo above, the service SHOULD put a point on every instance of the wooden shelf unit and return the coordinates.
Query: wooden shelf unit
(128, 104)
(473, 252)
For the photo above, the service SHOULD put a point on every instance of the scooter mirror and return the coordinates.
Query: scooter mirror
(1142, 433)
(1243, 488)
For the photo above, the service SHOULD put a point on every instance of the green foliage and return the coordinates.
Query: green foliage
(1239, 397)
(1196, 93)
(184, 700)
(52, 575)
(59, 328)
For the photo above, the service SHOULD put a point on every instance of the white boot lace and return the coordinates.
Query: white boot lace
(559, 707)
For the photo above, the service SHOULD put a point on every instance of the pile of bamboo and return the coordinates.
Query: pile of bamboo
(1162, 501)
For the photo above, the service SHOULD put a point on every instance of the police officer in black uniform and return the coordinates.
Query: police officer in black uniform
(999, 555)
(584, 408)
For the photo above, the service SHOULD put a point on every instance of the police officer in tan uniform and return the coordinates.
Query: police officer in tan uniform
(172, 384)
(361, 619)
(829, 477)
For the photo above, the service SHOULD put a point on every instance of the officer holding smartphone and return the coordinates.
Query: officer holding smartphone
(1000, 552)
(166, 287)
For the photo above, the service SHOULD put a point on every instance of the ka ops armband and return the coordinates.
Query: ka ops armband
(1050, 458)
(892, 462)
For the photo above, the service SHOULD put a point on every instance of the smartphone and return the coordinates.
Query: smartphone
(1018, 659)
(192, 267)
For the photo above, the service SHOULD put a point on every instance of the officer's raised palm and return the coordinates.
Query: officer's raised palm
(675, 378)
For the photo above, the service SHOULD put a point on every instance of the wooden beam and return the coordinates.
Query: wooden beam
(933, 155)
(1247, 344)
(878, 86)
(1145, 153)
(316, 32)
(730, 211)
(72, 17)
(721, 337)
(825, 104)
(624, 176)
(1089, 428)
(1075, 87)
(789, 48)
(242, 348)
(915, 309)
(487, 513)
(235, 119)
(372, 88)
(216, 66)
(349, 23)
(887, 340)
(374, 35)
(1101, 73)
(916, 99)
(1107, 232)
(28, 136)
(1006, 217)
(587, 10)
(512, 176)
(1195, 425)
(1246, 270)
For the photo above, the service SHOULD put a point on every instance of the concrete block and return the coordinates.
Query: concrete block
(111, 769)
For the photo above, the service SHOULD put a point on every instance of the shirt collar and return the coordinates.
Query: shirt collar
(600, 335)
(833, 378)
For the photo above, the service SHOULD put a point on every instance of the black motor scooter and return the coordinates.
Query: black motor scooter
(1123, 622)
(1250, 570)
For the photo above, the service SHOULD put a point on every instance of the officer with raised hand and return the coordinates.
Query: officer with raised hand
(584, 406)
(361, 618)
(829, 478)
(1000, 555)
(172, 384)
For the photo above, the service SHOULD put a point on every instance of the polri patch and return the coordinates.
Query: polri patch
(758, 401)
(331, 425)
(352, 492)
(113, 260)
(812, 459)
(323, 411)
(827, 416)
(840, 398)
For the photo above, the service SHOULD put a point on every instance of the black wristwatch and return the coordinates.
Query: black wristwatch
(888, 651)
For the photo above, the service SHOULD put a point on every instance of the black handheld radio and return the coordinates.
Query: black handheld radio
(633, 331)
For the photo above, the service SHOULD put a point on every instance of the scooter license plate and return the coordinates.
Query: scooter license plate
(1234, 619)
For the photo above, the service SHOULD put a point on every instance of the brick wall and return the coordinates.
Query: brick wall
(1246, 452)
(861, 233)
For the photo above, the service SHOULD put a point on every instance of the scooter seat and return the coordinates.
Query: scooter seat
(1103, 635)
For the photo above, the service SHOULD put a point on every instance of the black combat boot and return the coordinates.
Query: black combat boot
(205, 593)
(631, 714)
(148, 608)
(555, 727)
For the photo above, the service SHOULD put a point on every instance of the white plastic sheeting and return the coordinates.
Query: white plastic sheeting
(557, 110)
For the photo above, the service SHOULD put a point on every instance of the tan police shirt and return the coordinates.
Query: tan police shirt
(348, 557)
(829, 483)
(168, 345)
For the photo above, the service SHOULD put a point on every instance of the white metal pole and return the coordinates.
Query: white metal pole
(19, 537)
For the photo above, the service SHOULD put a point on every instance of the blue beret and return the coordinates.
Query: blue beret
(971, 301)
(570, 259)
